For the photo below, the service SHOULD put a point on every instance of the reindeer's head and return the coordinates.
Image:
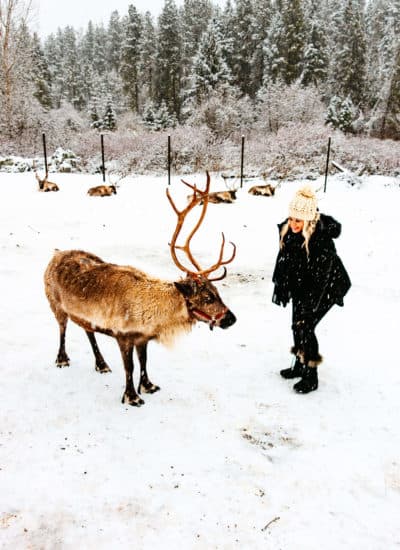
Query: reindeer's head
(202, 297)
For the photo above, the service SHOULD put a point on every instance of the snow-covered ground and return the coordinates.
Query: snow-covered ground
(226, 455)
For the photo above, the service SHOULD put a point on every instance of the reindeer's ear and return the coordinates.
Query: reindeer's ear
(186, 287)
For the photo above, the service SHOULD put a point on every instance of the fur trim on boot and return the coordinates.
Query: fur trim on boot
(308, 382)
(315, 362)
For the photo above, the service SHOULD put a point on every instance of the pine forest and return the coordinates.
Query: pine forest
(286, 74)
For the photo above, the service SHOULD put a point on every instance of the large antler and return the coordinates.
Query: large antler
(197, 197)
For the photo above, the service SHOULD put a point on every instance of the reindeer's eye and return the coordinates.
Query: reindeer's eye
(209, 298)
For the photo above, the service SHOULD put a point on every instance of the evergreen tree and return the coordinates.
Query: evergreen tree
(274, 58)
(109, 119)
(209, 69)
(285, 43)
(95, 120)
(113, 44)
(195, 17)
(53, 51)
(262, 15)
(169, 59)
(72, 78)
(41, 74)
(87, 45)
(157, 118)
(244, 45)
(147, 64)
(341, 113)
(227, 19)
(130, 57)
(100, 50)
(315, 63)
(348, 61)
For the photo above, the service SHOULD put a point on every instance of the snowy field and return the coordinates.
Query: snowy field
(226, 455)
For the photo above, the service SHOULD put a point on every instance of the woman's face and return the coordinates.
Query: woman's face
(296, 225)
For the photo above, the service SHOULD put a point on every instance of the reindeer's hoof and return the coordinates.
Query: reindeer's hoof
(103, 368)
(148, 388)
(62, 363)
(134, 401)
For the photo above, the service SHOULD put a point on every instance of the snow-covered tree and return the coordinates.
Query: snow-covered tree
(285, 43)
(157, 118)
(315, 62)
(113, 45)
(244, 45)
(41, 74)
(130, 57)
(209, 69)
(341, 113)
(147, 63)
(100, 49)
(383, 29)
(169, 59)
(385, 119)
(227, 19)
(262, 15)
(16, 79)
(109, 118)
(195, 16)
(348, 61)
(72, 78)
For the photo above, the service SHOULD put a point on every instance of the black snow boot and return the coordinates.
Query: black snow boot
(293, 372)
(308, 382)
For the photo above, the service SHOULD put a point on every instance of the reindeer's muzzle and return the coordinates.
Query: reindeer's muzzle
(228, 320)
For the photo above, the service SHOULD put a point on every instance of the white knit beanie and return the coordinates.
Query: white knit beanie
(303, 206)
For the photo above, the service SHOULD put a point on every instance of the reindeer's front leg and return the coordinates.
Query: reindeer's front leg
(130, 396)
(145, 385)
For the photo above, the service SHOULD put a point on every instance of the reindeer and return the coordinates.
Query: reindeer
(44, 184)
(104, 190)
(216, 197)
(132, 307)
(267, 190)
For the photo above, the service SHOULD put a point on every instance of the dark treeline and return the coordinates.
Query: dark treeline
(344, 54)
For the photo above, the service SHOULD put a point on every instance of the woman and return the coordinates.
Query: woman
(310, 273)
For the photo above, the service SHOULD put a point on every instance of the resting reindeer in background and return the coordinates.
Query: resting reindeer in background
(104, 190)
(267, 190)
(216, 197)
(44, 184)
(133, 307)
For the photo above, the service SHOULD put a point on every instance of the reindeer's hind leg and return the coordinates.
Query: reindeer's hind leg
(130, 396)
(101, 365)
(145, 385)
(62, 359)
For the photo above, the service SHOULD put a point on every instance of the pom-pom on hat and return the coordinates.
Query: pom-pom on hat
(303, 206)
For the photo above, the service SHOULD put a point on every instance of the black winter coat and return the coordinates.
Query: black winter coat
(310, 279)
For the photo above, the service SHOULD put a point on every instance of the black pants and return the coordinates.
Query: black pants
(304, 321)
